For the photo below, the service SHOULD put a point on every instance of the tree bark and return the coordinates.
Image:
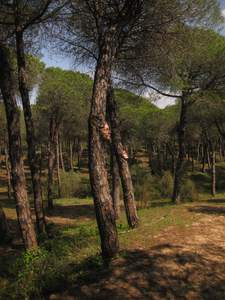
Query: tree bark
(8, 170)
(15, 150)
(178, 176)
(122, 160)
(61, 156)
(115, 184)
(79, 153)
(213, 171)
(97, 157)
(203, 158)
(31, 142)
(51, 160)
(57, 166)
(4, 228)
(71, 155)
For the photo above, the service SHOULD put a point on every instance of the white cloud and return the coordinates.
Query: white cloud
(223, 12)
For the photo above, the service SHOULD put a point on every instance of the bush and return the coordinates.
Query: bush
(144, 186)
(189, 191)
(70, 184)
(53, 266)
(166, 185)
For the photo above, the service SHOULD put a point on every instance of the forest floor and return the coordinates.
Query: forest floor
(177, 252)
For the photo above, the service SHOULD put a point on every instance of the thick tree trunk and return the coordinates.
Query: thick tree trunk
(15, 151)
(97, 158)
(122, 159)
(31, 142)
(4, 228)
(115, 184)
(178, 176)
(51, 160)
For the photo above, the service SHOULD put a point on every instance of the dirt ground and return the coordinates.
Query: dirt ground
(179, 264)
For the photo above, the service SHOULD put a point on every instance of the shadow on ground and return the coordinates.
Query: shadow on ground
(73, 211)
(211, 210)
(166, 272)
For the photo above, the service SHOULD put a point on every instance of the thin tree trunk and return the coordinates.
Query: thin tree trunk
(4, 228)
(181, 156)
(208, 158)
(61, 156)
(58, 167)
(122, 159)
(15, 151)
(31, 142)
(115, 184)
(213, 171)
(51, 160)
(203, 158)
(8, 170)
(71, 155)
(97, 157)
(79, 154)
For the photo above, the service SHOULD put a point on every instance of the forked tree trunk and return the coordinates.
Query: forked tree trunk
(51, 159)
(97, 157)
(115, 184)
(15, 150)
(122, 159)
(178, 176)
(30, 134)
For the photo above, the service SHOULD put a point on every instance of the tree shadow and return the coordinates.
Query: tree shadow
(166, 272)
(73, 211)
(216, 201)
(211, 210)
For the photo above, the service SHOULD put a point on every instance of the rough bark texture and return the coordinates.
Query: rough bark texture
(178, 176)
(51, 159)
(115, 184)
(15, 150)
(30, 134)
(122, 159)
(97, 159)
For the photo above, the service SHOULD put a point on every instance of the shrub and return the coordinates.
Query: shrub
(166, 185)
(189, 191)
(144, 186)
(70, 184)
